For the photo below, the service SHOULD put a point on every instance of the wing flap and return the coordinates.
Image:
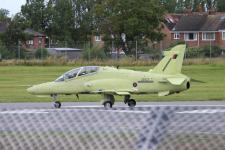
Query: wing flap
(164, 93)
(121, 93)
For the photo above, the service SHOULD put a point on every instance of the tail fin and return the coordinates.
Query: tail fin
(172, 62)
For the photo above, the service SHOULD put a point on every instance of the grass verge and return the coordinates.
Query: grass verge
(13, 81)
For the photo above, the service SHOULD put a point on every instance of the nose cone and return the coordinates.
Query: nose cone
(40, 89)
(31, 90)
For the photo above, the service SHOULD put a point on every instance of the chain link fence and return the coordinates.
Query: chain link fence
(142, 128)
(137, 50)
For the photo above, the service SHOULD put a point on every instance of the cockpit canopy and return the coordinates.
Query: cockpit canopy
(78, 72)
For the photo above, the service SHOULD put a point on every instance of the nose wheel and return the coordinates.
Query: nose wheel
(108, 101)
(107, 105)
(56, 104)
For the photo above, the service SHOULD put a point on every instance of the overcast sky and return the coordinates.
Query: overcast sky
(13, 6)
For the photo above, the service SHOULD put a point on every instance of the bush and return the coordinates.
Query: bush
(203, 52)
(41, 53)
(215, 51)
(194, 52)
(175, 44)
(94, 53)
(22, 54)
(154, 53)
(5, 52)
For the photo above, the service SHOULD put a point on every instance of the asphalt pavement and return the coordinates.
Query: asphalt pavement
(90, 126)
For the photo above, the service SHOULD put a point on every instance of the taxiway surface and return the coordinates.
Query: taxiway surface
(28, 124)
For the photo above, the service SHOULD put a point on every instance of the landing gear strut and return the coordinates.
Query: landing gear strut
(109, 101)
(130, 102)
(56, 104)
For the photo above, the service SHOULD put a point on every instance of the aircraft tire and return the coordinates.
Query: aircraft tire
(107, 104)
(131, 103)
(57, 104)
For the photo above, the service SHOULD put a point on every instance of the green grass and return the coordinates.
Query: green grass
(13, 80)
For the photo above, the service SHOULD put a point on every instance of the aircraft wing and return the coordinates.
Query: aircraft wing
(113, 92)
(110, 86)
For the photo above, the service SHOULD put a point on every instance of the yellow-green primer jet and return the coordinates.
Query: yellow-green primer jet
(164, 79)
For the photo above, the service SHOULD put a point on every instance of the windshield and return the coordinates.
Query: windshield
(77, 72)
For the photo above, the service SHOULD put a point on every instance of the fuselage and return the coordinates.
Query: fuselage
(113, 79)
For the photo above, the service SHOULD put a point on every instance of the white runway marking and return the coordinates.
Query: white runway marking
(93, 106)
(88, 108)
(125, 111)
(144, 106)
(203, 111)
(46, 111)
(24, 112)
(198, 132)
(177, 105)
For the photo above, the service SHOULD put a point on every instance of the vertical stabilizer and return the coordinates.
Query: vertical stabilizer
(172, 62)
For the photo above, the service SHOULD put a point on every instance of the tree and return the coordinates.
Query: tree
(220, 5)
(137, 19)
(83, 13)
(169, 5)
(4, 15)
(36, 13)
(63, 20)
(15, 31)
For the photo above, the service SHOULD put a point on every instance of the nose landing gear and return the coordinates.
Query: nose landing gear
(109, 101)
(56, 104)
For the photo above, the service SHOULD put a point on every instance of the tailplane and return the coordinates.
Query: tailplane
(172, 62)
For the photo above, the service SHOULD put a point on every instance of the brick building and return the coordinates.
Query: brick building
(198, 30)
(36, 40)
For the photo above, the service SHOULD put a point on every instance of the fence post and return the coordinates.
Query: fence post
(156, 127)
(136, 51)
(89, 52)
(210, 51)
(18, 49)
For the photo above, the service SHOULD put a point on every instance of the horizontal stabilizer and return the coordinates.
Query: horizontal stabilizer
(176, 81)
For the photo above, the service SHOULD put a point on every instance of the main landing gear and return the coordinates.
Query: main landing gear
(109, 101)
(130, 102)
(56, 104)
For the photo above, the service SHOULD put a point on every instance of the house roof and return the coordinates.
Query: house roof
(3, 27)
(171, 20)
(201, 23)
(34, 33)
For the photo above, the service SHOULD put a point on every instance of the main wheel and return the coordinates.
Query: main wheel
(107, 104)
(57, 104)
(126, 98)
(131, 103)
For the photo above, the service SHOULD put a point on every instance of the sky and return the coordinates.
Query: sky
(14, 6)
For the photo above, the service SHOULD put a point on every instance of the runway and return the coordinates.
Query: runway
(90, 126)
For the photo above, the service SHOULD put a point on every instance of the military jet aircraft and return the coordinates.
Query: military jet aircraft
(165, 79)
